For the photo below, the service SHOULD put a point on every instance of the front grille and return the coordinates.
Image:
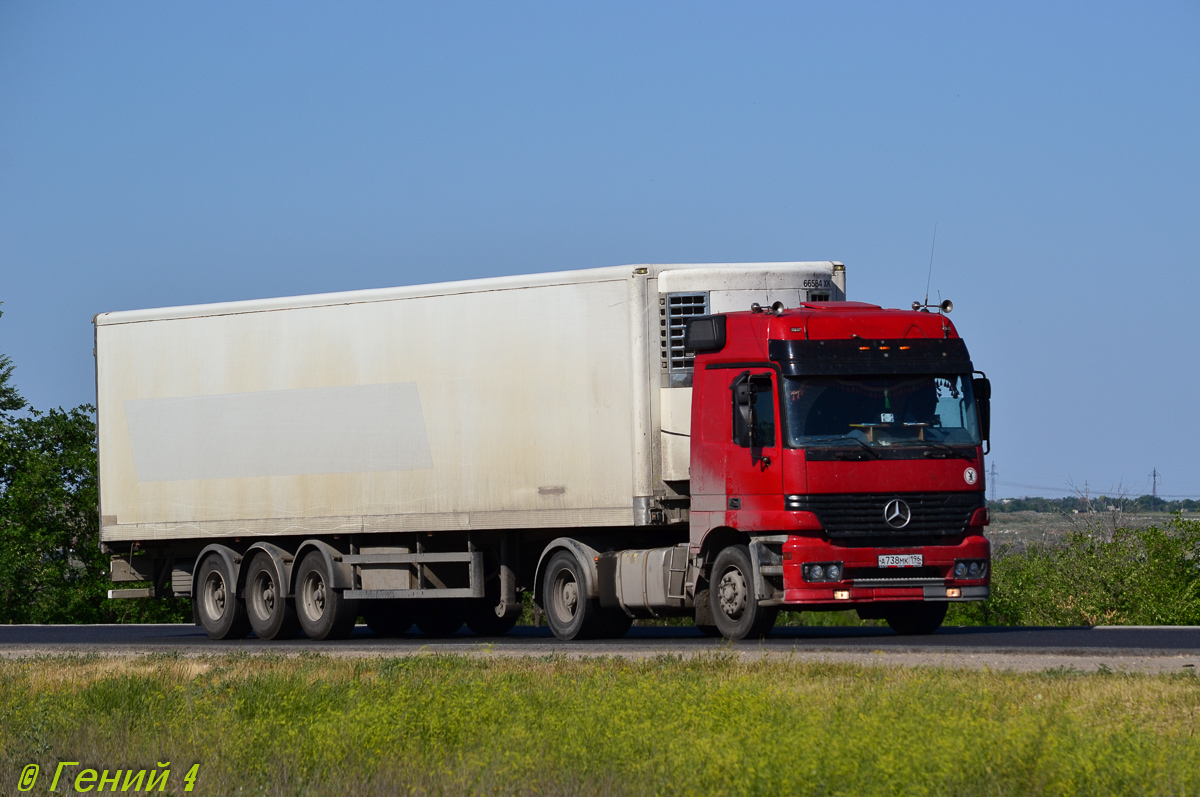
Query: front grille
(861, 514)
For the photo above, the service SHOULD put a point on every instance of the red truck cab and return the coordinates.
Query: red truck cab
(836, 463)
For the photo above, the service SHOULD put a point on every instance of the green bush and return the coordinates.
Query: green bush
(1147, 576)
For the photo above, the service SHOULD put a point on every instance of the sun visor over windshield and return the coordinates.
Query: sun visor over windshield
(864, 357)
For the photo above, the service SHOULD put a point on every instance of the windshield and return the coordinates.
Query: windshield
(881, 411)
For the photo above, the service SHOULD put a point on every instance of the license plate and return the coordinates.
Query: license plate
(901, 560)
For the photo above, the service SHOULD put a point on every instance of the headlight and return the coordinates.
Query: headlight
(834, 572)
(974, 570)
(816, 572)
(960, 570)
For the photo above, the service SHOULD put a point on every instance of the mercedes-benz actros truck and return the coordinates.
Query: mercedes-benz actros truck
(715, 441)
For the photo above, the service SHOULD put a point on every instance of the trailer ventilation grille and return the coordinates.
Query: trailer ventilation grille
(673, 313)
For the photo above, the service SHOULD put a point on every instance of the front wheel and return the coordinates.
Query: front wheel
(735, 608)
(919, 619)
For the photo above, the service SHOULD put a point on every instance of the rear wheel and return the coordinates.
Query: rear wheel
(387, 618)
(271, 614)
(917, 619)
(734, 606)
(570, 613)
(324, 611)
(221, 612)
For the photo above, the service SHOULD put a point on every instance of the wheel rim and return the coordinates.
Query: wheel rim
(263, 595)
(732, 594)
(215, 595)
(314, 596)
(565, 603)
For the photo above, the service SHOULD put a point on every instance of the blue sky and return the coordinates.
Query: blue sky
(171, 153)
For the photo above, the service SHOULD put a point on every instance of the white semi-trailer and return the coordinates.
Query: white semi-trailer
(419, 454)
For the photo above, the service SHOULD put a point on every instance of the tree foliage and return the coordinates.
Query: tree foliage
(51, 567)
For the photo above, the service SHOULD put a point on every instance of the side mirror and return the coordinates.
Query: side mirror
(982, 388)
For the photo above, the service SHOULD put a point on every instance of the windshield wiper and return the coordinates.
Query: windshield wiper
(865, 447)
(950, 451)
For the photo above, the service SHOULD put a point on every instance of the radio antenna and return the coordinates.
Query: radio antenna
(929, 276)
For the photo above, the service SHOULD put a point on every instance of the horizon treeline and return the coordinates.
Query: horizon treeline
(1096, 503)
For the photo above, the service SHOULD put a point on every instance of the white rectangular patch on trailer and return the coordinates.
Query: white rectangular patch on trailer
(351, 429)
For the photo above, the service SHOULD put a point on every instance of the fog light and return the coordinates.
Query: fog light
(816, 573)
(960, 570)
(841, 594)
(834, 573)
(974, 570)
(954, 592)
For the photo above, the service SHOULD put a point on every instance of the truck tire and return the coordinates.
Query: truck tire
(917, 619)
(221, 612)
(272, 615)
(324, 611)
(569, 612)
(387, 618)
(441, 617)
(734, 607)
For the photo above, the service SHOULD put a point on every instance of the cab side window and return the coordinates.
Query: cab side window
(753, 411)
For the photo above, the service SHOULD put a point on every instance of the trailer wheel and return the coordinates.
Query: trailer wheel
(734, 607)
(917, 619)
(387, 618)
(441, 617)
(324, 612)
(272, 615)
(222, 613)
(569, 612)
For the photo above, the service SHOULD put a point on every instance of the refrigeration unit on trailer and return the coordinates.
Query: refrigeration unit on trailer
(428, 454)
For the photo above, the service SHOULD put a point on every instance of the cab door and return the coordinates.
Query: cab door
(753, 461)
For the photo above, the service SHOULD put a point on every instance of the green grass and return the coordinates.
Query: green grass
(456, 725)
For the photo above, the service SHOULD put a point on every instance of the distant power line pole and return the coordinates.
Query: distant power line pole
(992, 476)
(1153, 488)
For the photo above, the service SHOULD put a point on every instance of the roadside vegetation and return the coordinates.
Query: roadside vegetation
(313, 725)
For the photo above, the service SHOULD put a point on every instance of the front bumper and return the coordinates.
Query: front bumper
(863, 582)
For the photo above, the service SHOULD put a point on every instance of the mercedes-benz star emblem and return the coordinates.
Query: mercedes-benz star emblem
(897, 514)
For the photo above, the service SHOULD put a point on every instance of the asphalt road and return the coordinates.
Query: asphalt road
(1172, 642)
